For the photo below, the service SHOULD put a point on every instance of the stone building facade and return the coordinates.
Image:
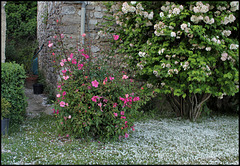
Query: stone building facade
(71, 15)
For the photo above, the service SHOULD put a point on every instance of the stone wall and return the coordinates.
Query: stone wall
(3, 31)
(69, 14)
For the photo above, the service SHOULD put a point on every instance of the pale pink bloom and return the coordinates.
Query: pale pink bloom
(122, 112)
(115, 37)
(95, 83)
(69, 117)
(131, 80)
(100, 105)
(126, 135)
(64, 93)
(126, 95)
(64, 71)
(50, 44)
(125, 122)
(62, 36)
(66, 104)
(65, 77)
(105, 100)
(64, 60)
(84, 34)
(69, 59)
(55, 36)
(67, 135)
(115, 114)
(65, 118)
(123, 117)
(58, 95)
(61, 122)
(62, 104)
(59, 86)
(61, 63)
(111, 78)
(124, 77)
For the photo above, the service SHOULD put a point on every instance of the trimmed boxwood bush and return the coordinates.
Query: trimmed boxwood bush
(12, 89)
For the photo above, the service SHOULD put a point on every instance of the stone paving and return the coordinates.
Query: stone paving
(36, 103)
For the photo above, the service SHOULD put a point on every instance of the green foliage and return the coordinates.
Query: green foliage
(21, 19)
(5, 106)
(12, 89)
(21, 43)
(178, 49)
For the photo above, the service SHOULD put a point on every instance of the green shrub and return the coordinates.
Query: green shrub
(5, 105)
(12, 89)
(186, 50)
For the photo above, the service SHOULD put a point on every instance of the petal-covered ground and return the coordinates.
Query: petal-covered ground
(164, 141)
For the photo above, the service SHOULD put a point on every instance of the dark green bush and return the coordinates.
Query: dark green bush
(12, 89)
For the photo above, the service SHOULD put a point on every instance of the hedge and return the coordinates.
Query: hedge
(12, 89)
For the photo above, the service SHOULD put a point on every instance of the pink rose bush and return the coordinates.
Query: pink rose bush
(93, 100)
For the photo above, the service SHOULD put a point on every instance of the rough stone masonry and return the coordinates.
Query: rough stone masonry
(69, 14)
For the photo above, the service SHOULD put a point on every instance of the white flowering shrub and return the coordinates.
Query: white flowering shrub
(187, 50)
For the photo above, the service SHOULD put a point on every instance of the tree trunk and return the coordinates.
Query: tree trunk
(190, 106)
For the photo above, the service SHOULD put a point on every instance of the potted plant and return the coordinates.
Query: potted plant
(5, 105)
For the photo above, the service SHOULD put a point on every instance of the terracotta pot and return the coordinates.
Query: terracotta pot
(30, 80)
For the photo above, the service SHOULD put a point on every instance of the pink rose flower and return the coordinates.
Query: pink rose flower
(94, 98)
(111, 78)
(65, 77)
(115, 37)
(136, 98)
(124, 77)
(85, 55)
(58, 95)
(95, 83)
(62, 104)
(115, 114)
(80, 66)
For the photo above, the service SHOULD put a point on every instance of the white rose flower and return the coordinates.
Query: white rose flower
(150, 16)
(133, 2)
(196, 9)
(183, 26)
(161, 14)
(231, 18)
(176, 11)
(234, 46)
(173, 34)
(208, 48)
(168, 65)
(176, 71)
